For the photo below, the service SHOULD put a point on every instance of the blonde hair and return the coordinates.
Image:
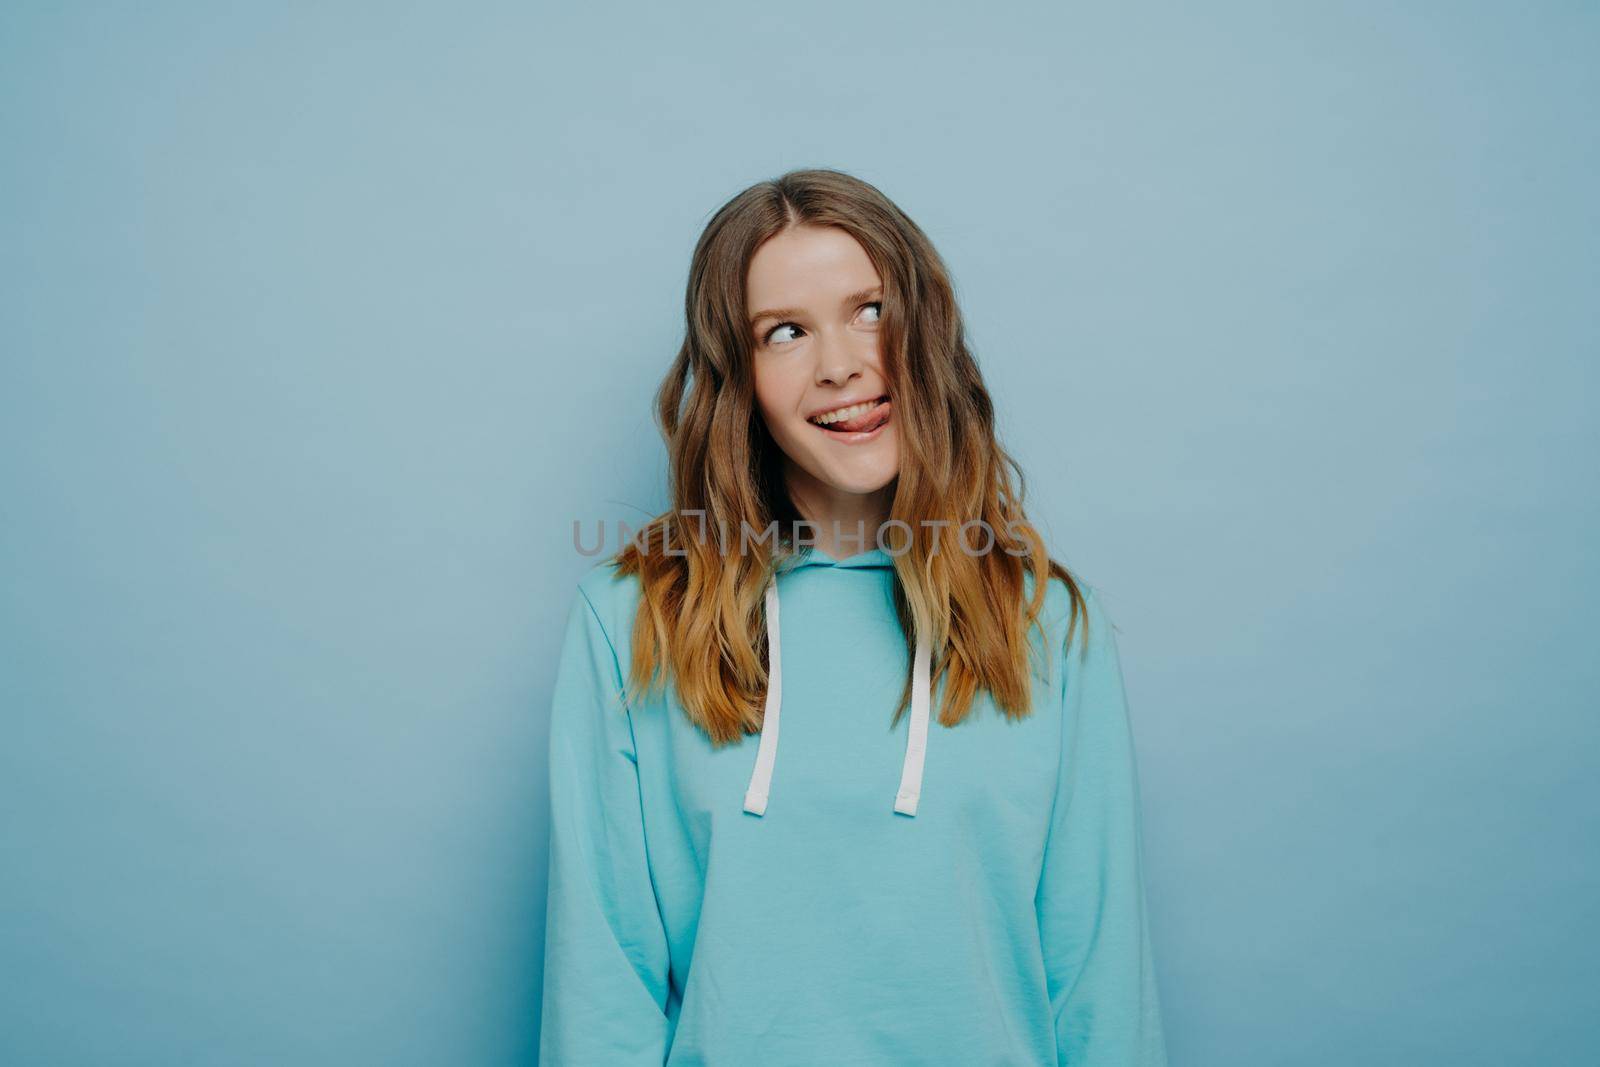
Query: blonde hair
(700, 610)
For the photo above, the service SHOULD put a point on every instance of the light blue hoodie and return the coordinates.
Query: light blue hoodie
(852, 897)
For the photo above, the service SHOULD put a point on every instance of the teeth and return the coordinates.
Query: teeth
(841, 414)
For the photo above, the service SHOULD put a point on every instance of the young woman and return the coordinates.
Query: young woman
(845, 545)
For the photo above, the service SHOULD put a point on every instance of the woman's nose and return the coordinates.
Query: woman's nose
(837, 361)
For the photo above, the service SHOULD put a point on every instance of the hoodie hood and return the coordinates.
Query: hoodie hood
(910, 791)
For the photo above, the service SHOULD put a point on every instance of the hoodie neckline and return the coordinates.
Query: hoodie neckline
(872, 557)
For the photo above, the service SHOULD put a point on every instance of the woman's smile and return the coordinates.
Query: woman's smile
(857, 423)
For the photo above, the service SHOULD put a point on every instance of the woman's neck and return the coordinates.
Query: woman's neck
(843, 524)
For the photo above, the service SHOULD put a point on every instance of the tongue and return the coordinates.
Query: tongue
(869, 421)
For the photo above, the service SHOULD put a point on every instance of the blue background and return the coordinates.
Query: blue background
(320, 325)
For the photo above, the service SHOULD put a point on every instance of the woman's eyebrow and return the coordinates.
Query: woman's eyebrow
(790, 313)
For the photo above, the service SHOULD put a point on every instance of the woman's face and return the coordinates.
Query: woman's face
(814, 299)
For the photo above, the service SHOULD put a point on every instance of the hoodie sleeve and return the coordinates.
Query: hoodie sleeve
(605, 955)
(1091, 901)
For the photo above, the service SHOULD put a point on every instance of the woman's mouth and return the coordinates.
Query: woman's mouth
(860, 422)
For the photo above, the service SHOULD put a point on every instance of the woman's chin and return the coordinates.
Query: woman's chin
(860, 469)
(866, 475)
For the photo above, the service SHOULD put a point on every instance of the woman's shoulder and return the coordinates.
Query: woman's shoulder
(1076, 611)
(613, 596)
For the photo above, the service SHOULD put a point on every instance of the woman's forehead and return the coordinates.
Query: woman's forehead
(808, 266)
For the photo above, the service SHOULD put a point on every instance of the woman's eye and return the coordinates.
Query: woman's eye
(772, 334)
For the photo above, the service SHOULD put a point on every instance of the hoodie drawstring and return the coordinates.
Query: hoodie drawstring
(905, 801)
(755, 798)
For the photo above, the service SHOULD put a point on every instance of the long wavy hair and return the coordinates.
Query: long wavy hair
(700, 617)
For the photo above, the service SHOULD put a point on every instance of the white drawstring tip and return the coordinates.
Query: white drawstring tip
(755, 803)
(906, 803)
